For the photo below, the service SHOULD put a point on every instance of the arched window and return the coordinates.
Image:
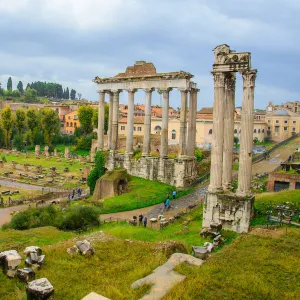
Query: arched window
(210, 131)
(235, 130)
(157, 129)
(75, 124)
(71, 124)
(258, 130)
(173, 134)
(254, 130)
(67, 124)
(263, 131)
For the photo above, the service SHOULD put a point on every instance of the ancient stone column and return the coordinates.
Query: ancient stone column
(101, 121)
(183, 125)
(165, 124)
(115, 120)
(191, 143)
(216, 168)
(228, 130)
(130, 122)
(110, 114)
(147, 123)
(246, 142)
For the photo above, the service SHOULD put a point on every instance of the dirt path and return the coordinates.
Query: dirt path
(20, 185)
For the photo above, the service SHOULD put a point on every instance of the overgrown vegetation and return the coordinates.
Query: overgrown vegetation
(97, 172)
(73, 219)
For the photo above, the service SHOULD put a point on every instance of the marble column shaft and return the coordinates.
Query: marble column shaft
(101, 121)
(130, 121)
(147, 122)
(115, 120)
(246, 142)
(191, 143)
(183, 123)
(228, 130)
(110, 116)
(218, 133)
(165, 124)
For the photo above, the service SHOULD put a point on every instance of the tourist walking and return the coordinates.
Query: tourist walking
(141, 217)
(145, 222)
(174, 194)
(168, 204)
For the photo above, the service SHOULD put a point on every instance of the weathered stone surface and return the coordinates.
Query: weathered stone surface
(25, 274)
(33, 257)
(209, 246)
(164, 278)
(10, 261)
(40, 289)
(94, 296)
(171, 247)
(200, 252)
(72, 250)
(85, 248)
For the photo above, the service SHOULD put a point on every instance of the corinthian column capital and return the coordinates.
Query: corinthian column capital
(219, 79)
(149, 90)
(230, 79)
(167, 90)
(131, 90)
(249, 78)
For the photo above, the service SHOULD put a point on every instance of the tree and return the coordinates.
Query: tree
(20, 119)
(97, 172)
(85, 115)
(50, 124)
(30, 95)
(17, 142)
(106, 114)
(73, 94)
(27, 86)
(236, 141)
(20, 87)
(256, 140)
(9, 84)
(79, 96)
(67, 95)
(7, 124)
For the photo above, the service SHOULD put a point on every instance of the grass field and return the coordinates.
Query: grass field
(23, 193)
(142, 193)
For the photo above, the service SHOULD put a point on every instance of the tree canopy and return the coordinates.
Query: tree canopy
(85, 116)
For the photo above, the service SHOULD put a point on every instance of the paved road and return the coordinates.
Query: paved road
(26, 186)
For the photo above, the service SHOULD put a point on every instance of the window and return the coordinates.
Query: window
(210, 131)
(69, 117)
(67, 124)
(264, 130)
(254, 130)
(294, 122)
(294, 129)
(285, 128)
(285, 121)
(75, 124)
(235, 130)
(258, 130)
(122, 128)
(173, 134)
(71, 131)
(276, 128)
(134, 128)
(277, 121)
(269, 121)
(269, 128)
(139, 128)
(75, 117)
(71, 124)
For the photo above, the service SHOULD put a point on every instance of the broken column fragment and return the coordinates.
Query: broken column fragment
(10, 260)
(40, 289)
(25, 274)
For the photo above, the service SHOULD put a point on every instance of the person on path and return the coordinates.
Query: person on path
(165, 205)
(141, 217)
(145, 222)
(174, 194)
(168, 204)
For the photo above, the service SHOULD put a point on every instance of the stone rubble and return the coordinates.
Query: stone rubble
(34, 258)
(84, 247)
(40, 289)
(10, 260)
(25, 274)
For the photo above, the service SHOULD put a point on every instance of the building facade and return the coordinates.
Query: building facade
(71, 122)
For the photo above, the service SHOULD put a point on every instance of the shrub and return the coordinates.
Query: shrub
(97, 172)
(198, 155)
(267, 139)
(80, 218)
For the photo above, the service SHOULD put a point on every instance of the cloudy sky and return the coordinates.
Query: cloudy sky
(72, 41)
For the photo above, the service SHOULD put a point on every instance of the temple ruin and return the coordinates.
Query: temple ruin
(222, 206)
(180, 171)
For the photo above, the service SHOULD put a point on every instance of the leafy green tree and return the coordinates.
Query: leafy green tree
(20, 87)
(20, 119)
(73, 94)
(236, 140)
(30, 95)
(7, 124)
(17, 142)
(85, 115)
(16, 93)
(97, 172)
(50, 124)
(27, 86)
(9, 84)
(106, 114)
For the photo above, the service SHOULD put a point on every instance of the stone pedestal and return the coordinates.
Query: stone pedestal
(37, 150)
(67, 152)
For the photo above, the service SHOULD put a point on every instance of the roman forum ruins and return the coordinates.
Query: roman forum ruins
(232, 210)
(180, 171)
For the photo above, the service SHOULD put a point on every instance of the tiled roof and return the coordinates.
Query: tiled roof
(205, 110)
(136, 120)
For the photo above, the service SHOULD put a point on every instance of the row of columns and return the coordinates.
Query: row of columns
(223, 132)
(187, 142)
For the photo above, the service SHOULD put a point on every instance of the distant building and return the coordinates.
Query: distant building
(71, 122)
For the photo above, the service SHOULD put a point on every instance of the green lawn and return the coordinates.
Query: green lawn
(142, 193)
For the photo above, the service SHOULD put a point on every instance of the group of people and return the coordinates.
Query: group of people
(142, 220)
(167, 201)
(78, 192)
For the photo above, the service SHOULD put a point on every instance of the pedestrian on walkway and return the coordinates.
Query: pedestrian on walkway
(168, 204)
(141, 217)
(174, 194)
(145, 222)
(165, 205)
